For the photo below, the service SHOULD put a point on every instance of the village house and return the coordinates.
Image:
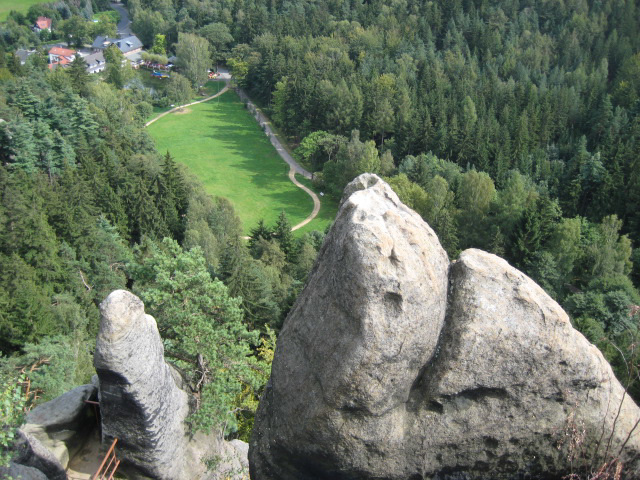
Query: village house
(95, 62)
(131, 47)
(59, 56)
(42, 23)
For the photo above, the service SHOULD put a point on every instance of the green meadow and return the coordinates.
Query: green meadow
(20, 5)
(210, 88)
(227, 150)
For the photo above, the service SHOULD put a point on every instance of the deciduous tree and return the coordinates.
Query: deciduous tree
(193, 58)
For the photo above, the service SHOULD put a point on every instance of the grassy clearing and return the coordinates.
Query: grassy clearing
(110, 14)
(20, 5)
(210, 88)
(226, 149)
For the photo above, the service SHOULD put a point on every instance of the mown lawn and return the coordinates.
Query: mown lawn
(226, 149)
(210, 88)
(20, 5)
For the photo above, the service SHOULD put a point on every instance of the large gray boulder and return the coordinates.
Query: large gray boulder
(514, 387)
(21, 472)
(140, 403)
(390, 367)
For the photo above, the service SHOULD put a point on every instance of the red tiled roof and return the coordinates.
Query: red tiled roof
(62, 52)
(43, 23)
(61, 61)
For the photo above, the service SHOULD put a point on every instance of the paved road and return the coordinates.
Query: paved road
(124, 25)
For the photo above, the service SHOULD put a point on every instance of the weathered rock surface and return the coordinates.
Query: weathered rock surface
(144, 404)
(383, 372)
(227, 460)
(29, 452)
(139, 400)
(63, 424)
(21, 472)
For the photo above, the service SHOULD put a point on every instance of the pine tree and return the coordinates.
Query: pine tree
(283, 235)
(20, 152)
(259, 232)
(246, 278)
(202, 327)
(173, 197)
(79, 76)
(27, 102)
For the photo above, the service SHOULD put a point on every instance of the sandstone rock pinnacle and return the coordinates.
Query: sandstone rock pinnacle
(396, 364)
(140, 402)
(144, 403)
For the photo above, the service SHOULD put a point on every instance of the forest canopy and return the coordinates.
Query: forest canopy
(511, 126)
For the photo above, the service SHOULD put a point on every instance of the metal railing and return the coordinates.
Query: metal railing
(109, 465)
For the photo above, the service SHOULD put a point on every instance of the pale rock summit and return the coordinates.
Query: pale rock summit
(396, 364)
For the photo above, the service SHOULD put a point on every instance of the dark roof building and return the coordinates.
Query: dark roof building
(95, 62)
(130, 44)
(23, 54)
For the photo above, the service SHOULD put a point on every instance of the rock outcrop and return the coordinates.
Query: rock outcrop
(394, 364)
(144, 402)
(22, 472)
(30, 452)
(53, 432)
(140, 403)
(63, 424)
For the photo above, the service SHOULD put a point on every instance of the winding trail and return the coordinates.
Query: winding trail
(265, 123)
(295, 167)
(316, 200)
(175, 109)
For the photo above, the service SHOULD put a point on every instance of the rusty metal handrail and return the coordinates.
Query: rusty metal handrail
(103, 471)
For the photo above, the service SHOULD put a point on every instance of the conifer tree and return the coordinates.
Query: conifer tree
(202, 328)
(79, 76)
(283, 235)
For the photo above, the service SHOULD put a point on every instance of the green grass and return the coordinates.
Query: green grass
(20, 5)
(210, 88)
(110, 14)
(226, 149)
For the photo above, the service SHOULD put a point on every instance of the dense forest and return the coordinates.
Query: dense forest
(87, 205)
(510, 126)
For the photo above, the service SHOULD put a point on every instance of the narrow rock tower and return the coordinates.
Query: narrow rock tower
(140, 402)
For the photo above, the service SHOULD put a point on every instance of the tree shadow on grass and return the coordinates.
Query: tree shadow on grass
(230, 129)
